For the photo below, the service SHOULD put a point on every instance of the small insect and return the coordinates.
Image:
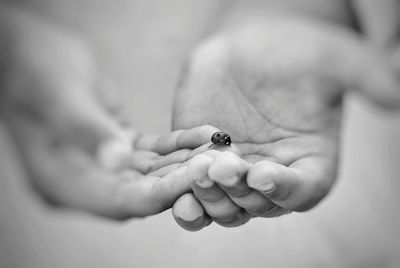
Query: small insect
(221, 138)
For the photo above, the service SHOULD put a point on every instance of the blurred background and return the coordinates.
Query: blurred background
(142, 44)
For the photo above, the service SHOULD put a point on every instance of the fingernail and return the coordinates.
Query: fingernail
(231, 181)
(114, 155)
(191, 225)
(203, 182)
(268, 188)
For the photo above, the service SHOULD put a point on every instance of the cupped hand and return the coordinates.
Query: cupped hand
(276, 86)
(74, 149)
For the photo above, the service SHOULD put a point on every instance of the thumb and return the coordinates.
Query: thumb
(376, 78)
(366, 69)
(51, 82)
(86, 123)
(77, 121)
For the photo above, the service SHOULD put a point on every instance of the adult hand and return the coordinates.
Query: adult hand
(275, 85)
(74, 149)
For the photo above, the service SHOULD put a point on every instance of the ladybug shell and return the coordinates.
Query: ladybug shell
(221, 138)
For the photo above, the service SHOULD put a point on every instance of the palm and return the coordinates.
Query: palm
(275, 85)
(284, 114)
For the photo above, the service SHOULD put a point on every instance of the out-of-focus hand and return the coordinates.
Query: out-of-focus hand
(76, 152)
(276, 86)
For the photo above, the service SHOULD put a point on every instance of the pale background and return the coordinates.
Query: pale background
(357, 225)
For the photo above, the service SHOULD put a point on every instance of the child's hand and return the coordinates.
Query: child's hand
(275, 84)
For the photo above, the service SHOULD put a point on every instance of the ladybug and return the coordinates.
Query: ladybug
(221, 138)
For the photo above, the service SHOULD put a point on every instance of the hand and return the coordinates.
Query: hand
(76, 152)
(67, 175)
(276, 86)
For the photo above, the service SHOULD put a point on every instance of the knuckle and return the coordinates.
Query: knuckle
(237, 219)
(209, 198)
(238, 192)
(264, 210)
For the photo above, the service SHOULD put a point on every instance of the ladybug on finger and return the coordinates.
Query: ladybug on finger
(221, 138)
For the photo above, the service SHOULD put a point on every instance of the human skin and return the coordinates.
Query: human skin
(67, 112)
(63, 131)
(76, 151)
(275, 83)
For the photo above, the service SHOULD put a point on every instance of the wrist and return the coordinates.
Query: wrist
(324, 10)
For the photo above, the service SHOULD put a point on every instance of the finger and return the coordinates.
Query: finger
(143, 161)
(167, 189)
(107, 94)
(159, 143)
(178, 139)
(63, 98)
(145, 142)
(229, 171)
(185, 155)
(69, 177)
(162, 165)
(209, 148)
(179, 156)
(108, 97)
(189, 214)
(298, 187)
(165, 170)
(81, 122)
(114, 154)
(214, 201)
(147, 161)
(62, 176)
(366, 69)
(379, 20)
(64, 93)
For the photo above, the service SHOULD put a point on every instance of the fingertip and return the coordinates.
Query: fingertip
(275, 181)
(143, 161)
(145, 142)
(114, 155)
(195, 137)
(164, 191)
(189, 214)
(227, 168)
(198, 166)
(168, 143)
(262, 173)
(177, 157)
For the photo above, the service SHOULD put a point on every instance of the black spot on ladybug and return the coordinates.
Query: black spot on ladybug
(221, 138)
